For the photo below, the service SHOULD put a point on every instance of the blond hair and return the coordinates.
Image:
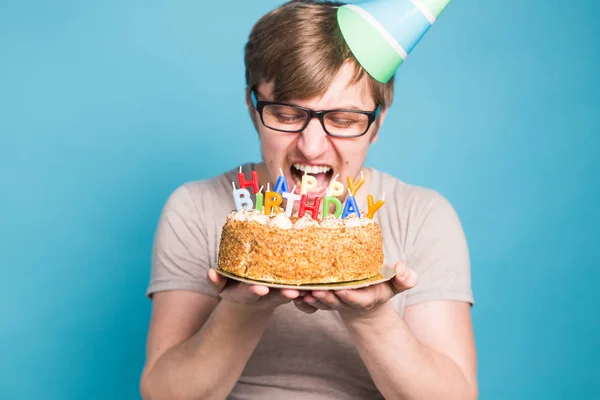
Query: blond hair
(300, 48)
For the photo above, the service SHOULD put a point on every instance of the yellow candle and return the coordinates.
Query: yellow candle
(308, 183)
(272, 201)
(354, 186)
(373, 207)
(335, 188)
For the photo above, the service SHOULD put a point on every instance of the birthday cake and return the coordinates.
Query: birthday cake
(267, 243)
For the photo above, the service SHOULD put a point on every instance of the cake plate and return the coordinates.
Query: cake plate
(385, 274)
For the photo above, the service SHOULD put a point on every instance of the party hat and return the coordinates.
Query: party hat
(382, 33)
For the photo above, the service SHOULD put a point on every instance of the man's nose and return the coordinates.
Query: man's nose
(313, 140)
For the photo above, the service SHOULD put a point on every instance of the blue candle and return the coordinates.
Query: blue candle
(242, 199)
(350, 207)
(281, 185)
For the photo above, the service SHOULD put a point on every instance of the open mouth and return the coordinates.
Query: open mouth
(322, 173)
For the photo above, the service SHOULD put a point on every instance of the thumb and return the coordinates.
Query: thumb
(404, 279)
(216, 280)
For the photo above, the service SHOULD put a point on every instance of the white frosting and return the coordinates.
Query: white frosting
(331, 221)
(281, 221)
(352, 221)
(258, 217)
(249, 215)
(305, 222)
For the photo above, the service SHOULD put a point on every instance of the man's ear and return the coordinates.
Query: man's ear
(249, 102)
(379, 122)
(251, 109)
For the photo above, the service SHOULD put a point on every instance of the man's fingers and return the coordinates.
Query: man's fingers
(290, 293)
(359, 298)
(216, 280)
(259, 290)
(328, 298)
(314, 302)
(304, 307)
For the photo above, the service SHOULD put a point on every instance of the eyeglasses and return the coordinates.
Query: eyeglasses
(290, 118)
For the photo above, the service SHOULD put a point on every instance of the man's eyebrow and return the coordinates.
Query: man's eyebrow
(343, 106)
(350, 107)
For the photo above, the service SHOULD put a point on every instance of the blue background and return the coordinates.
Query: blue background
(107, 108)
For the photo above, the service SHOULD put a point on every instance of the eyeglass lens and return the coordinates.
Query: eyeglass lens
(291, 119)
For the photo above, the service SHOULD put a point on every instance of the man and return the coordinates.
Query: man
(410, 338)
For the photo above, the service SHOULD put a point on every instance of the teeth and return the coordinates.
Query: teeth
(312, 169)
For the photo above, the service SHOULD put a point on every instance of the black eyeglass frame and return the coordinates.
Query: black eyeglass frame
(320, 115)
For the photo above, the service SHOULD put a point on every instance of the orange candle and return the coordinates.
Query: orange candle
(354, 186)
(272, 202)
(373, 207)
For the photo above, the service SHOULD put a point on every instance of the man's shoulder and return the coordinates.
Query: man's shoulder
(194, 194)
(400, 189)
(409, 197)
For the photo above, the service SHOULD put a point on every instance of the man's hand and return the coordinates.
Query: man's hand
(256, 296)
(361, 302)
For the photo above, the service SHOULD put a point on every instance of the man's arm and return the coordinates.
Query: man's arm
(433, 354)
(197, 346)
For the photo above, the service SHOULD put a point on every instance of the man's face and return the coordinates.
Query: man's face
(314, 151)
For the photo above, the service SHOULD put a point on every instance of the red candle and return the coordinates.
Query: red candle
(304, 206)
(252, 182)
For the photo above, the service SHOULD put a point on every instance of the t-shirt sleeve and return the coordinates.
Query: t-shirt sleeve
(180, 253)
(439, 254)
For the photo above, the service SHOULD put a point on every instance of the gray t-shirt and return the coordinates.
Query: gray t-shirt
(305, 356)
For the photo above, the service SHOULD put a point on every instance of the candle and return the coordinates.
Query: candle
(281, 184)
(327, 200)
(241, 198)
(373, 207)
(291, 198)
(252, 182)
(259, 199)
(309, 182)
(272, 202)
(304, 206)
(336, 188)
(350, 206)
(354, 186)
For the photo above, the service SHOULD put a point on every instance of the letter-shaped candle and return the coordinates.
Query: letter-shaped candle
(327, 200)
(335, 188)
(373, 207)
(252, 182)
(281, 185)
(308, 183)
(354, 186)
(272, 202)
(242, 199)
(304, 206)
(259, 199)
(290, 198)
(350, 207)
